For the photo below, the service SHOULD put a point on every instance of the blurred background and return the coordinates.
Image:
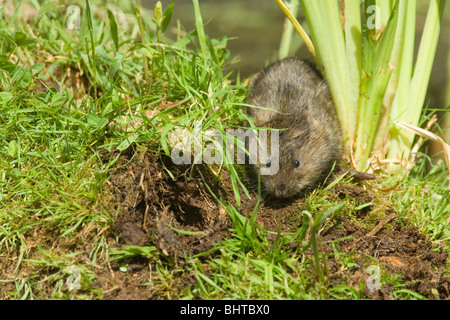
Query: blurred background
(254, 28)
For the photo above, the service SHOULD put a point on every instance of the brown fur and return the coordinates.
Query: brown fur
(304, 107)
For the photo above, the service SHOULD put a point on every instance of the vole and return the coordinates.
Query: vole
(296, 100)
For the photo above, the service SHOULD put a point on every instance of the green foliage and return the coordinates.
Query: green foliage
(137, 86)
(369, 68)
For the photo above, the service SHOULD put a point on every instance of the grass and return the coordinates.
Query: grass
(67, 94)
(369, 65)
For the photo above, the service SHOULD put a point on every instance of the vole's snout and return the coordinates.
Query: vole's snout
(281, 191)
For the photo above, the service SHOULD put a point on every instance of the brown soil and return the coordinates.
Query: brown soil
(149, 200)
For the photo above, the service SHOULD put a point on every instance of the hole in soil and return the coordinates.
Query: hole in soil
(148, 200)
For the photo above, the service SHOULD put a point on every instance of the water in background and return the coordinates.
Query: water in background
(254, 28)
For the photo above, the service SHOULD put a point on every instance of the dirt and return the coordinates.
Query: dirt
(150, 198)
(150, 202)
(153, 196)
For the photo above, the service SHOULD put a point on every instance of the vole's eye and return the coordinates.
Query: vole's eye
(268, 163)
(296, 164)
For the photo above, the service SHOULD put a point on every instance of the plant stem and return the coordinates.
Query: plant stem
(401, 141)
(143, 40)
(299, 30)
(447, 100)
(403, 59)
(354, 56)
(324, 21)
(286, 38)
(93, 57)
(316, 255)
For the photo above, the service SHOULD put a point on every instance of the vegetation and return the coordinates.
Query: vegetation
(117, 82)
(371, 72)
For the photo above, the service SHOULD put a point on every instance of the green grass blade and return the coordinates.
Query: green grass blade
(167, 16)
(185, 232)
(401, 141)
(200, 29)
(113, 29)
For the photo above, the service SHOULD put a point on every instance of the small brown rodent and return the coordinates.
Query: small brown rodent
(311, 142)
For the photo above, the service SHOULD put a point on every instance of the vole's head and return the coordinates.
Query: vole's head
(300, 159)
